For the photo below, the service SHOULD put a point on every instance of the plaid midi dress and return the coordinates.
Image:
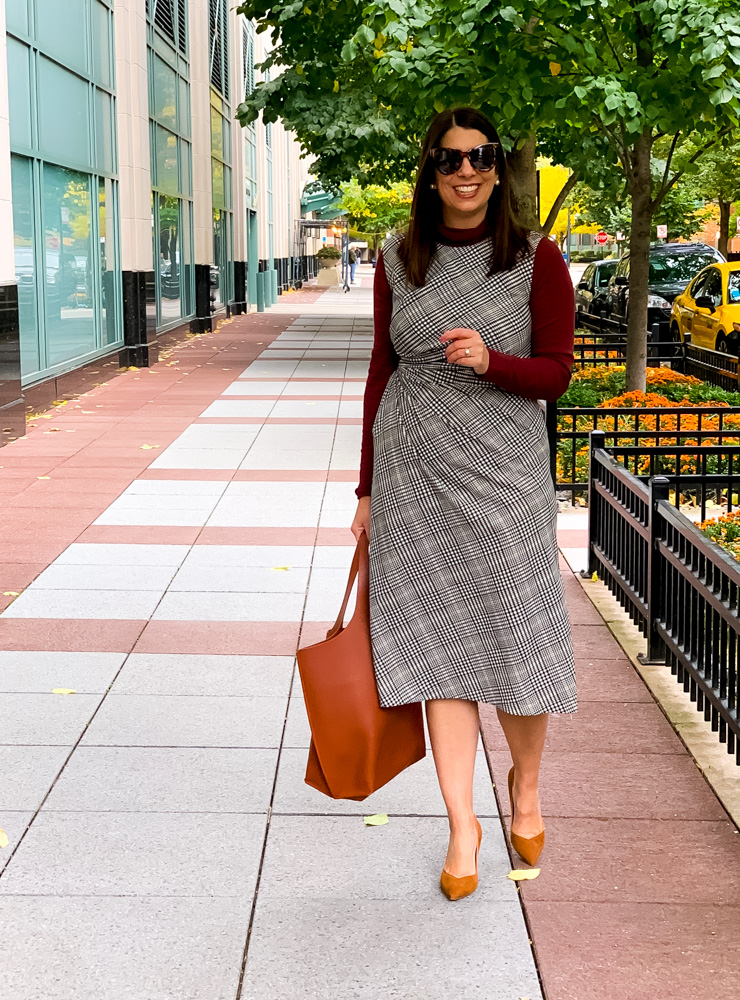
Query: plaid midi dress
(466, 595)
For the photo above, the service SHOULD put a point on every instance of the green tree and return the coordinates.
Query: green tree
(598, 82)
(373, 211)
(682, 211)
(718, 180)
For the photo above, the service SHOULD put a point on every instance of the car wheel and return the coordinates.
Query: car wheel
(722, 345)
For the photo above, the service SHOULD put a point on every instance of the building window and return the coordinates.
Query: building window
(169, 16)
(171, 158)
(221, 273)
(219, 69)
(63, 183)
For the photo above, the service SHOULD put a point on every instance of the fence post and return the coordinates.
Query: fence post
(596, 440)
(659, 490)
(551, 422)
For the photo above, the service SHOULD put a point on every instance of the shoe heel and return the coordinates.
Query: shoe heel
(528, 848)
(458, 888)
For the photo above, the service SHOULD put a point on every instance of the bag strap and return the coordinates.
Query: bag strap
(359, 564)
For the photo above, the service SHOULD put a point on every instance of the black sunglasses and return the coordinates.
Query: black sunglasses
(448, 161)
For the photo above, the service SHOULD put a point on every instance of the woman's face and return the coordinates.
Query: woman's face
(467, 191)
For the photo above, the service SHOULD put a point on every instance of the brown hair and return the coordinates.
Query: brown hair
(508, 237)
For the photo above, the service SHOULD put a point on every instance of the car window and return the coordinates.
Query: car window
(588, 274)
(677, 266)
(605, 271)
(733, 287)
(623, 267)
(713, 286)
(695, 289)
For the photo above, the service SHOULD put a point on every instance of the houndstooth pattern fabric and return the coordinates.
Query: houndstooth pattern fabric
(466, 595)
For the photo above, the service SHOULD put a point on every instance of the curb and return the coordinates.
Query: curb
(711, 757)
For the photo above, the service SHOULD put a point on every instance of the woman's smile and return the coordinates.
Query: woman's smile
(466, 190)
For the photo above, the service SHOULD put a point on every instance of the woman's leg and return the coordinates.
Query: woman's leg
(453, 730)
(525, 735)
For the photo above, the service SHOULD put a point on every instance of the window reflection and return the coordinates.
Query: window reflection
(219, 260)
(107, 263)
(169, 258)
(25, 263)
(68, 258)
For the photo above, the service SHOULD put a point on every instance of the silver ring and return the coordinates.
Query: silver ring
(467, 352)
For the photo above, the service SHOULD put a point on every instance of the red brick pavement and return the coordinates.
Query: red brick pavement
(639, 893)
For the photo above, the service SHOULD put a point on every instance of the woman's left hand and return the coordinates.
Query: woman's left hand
(460, 339)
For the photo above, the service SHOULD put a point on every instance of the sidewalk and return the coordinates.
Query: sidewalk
(172, 536)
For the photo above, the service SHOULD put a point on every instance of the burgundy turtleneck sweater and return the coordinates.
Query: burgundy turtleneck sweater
(543, 375)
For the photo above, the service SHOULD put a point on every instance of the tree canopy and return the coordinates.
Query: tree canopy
(598, 82)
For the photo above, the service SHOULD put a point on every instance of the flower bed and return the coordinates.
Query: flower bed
(603, 387)
(725, 531)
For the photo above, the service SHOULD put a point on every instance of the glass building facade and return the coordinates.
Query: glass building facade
(63, 177)
(171, 161)
(222, 272)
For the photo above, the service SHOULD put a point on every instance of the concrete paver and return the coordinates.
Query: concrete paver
(169, 586)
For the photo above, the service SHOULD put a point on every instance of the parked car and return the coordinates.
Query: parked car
(709, 309)
(672, 267)
(590, 291)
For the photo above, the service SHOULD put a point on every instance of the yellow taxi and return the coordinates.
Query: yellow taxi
(709, 309)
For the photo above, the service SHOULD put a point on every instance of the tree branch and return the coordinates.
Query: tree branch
(666, 187)
(606, 35)
(558, 203)
(669, 158)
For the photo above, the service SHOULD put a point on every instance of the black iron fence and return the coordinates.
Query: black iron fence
(608, 347)
(679, 588)
(697, 446)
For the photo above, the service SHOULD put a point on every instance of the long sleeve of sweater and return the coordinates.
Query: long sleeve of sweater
(383, 362)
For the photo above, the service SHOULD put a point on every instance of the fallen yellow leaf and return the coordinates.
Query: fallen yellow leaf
(43, 477)
(148, 447)
(3, 839)
(10, 593)
(523, 874)
(280, 567)
(594, 577)
(379, 819)
(64, 691)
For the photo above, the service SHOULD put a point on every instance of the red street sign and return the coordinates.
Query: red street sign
(602, 238)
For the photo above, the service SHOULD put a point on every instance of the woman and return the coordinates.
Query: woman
(473, 324)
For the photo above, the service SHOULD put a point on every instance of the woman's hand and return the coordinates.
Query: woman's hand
(362, 519)
(458, 340)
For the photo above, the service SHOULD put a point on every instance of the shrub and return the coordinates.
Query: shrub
(329, 253)
(725, 531)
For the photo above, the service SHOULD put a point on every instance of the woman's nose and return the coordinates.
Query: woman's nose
(465, 169)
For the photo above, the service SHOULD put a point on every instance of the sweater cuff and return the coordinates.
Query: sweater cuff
(496, 365)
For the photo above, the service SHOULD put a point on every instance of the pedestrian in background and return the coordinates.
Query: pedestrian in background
(473, 325)
(355, 256)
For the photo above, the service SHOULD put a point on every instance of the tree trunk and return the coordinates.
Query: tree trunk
(559, 202)
(642, 213)
(725, 210)
(523, 173)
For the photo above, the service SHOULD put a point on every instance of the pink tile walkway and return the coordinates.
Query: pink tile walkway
(638, 896)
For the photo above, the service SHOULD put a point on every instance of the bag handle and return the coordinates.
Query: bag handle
(359, 564)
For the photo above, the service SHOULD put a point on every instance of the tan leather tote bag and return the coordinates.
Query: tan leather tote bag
(356, 746)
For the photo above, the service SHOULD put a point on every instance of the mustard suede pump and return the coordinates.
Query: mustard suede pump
(458, 888)
(528, 848)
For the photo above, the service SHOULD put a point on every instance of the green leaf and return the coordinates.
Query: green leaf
(365, 34)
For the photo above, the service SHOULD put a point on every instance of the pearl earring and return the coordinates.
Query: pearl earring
(497, 182)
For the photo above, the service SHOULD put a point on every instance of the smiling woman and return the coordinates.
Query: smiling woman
(465, 197)
(473, 324)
